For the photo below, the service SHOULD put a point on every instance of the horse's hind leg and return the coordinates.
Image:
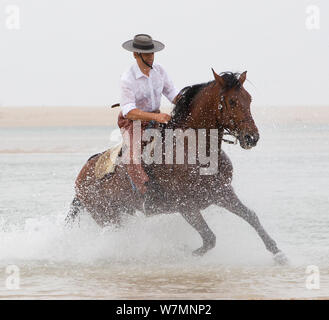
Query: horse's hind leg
(232, 203)
(196, 220)
(75, 208)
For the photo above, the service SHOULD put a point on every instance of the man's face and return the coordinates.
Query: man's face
(148, 57)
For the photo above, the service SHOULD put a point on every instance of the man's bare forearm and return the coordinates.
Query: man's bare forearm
(137, 114)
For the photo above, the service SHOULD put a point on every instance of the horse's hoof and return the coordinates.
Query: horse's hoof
(280, 258)
(199, 252)
(207, 245)
(202, 250)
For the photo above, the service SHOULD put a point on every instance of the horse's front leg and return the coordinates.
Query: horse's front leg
(196, 220)
(232, 203)
(75, 209)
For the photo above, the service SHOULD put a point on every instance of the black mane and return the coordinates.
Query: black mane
(187, 94)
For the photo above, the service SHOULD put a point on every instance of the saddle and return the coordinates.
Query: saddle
(107, 161)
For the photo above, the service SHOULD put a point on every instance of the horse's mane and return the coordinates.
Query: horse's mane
(187, 94)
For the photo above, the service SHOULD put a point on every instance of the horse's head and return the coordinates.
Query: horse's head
(234, 108)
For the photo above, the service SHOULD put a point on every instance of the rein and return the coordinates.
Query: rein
(229, 141)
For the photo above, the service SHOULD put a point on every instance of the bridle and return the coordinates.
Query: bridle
(226, 132)
(229, 132)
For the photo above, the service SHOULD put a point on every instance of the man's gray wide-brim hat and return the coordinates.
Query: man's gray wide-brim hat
(143, 43)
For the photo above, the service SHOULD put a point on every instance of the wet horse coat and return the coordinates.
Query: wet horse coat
(222, 104)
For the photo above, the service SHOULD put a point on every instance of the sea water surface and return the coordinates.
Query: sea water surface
(284, 179)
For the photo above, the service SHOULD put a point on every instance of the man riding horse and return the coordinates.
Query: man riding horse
(141, 89)
(206, 111)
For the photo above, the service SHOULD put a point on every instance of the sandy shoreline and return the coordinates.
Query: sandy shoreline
(57, 116)
(105, 116)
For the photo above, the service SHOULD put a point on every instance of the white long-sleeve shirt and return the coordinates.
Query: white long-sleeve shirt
(144, 93)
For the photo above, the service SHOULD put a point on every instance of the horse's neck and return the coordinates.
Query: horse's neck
(205, 115)
(204, 111)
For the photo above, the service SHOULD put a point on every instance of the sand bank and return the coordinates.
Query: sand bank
(105, 116)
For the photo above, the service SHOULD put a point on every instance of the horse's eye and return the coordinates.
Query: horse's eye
(231, 102)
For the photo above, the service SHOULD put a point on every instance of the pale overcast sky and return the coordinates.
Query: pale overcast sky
(68, 52)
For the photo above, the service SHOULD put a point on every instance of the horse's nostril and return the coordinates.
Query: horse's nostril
(248, 138)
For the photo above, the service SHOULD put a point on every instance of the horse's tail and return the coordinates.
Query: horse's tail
(75, 209)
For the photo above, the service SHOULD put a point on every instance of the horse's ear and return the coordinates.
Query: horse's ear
(218, 78)
(243, 77)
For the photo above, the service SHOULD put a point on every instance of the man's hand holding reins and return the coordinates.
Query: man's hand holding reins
(162, 117)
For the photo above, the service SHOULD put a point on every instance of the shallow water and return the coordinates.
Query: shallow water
(284, 179)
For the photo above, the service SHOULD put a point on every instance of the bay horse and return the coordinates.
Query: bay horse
(222, 104)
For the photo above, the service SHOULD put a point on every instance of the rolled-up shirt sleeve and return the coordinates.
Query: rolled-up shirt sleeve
(169, 89)
(127, 98)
